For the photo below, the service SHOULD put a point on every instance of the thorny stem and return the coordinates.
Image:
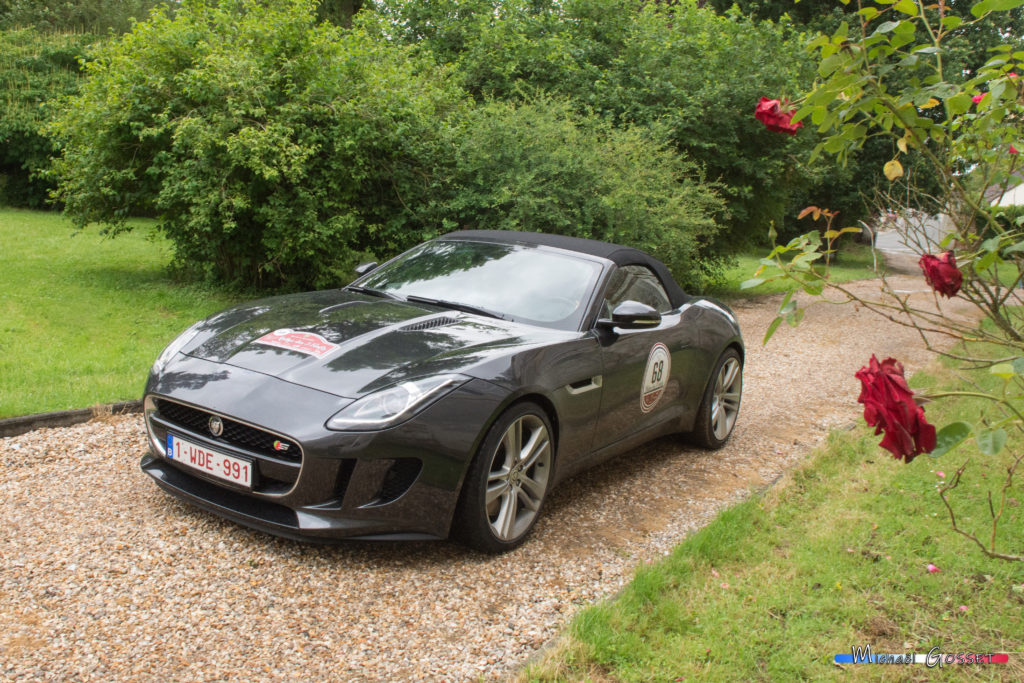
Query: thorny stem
(991, 306)
(990, 551)
(979, 394)
(953, 329)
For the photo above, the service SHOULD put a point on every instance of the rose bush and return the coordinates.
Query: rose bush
(887, 79)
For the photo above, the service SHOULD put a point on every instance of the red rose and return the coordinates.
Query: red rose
(941, 273)
(889, 407)
(1013, 150)
(773, 115)
(977, 98)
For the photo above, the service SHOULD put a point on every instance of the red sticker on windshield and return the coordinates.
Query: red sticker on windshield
(304, 342)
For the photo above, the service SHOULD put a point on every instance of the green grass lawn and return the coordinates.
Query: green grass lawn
(82, 317)
(834, 556)
(855, 263)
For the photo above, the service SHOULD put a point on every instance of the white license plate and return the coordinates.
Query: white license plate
(226, 467)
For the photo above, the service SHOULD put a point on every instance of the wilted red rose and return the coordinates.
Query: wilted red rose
(777, 116)
(889, 407)
(941, 273)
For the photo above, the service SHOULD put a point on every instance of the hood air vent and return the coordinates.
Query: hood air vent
(429, 324)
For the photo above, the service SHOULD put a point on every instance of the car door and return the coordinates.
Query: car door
(642, 377)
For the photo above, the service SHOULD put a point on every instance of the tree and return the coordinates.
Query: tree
(83, 16)
(35, 69)
(340, 12)
(852, 187)
(681, 67)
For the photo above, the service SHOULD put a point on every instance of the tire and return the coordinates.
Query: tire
(507, 481)
(720, 405)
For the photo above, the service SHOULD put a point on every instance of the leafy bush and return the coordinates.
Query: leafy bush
(701, 75)
(542, 167)
(35, 67)
(271, 149)
(697, 74)
(1009, 217)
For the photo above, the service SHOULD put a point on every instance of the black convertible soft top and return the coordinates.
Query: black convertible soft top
(617, 254)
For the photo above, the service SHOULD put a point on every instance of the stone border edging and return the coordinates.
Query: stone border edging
(13, 426)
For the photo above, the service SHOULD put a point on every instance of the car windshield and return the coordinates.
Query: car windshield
(537, 286)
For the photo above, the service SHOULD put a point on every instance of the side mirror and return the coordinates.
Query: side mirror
(364, 268)
(632, 315)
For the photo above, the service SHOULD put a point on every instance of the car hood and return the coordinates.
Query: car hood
(350, 344)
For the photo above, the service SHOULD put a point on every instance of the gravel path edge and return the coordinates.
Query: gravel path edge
(16, 426)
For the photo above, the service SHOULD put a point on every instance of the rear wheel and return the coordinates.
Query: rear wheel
(720, 406)
(507, 482)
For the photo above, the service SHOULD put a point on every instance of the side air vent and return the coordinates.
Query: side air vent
(429, 324)
(400, 476)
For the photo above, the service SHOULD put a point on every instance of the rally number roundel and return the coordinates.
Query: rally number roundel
(659, 366)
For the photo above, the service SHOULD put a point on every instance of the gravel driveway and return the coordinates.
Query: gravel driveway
(103, 577)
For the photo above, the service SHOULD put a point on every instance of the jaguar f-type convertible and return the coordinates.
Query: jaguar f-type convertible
(442, 393)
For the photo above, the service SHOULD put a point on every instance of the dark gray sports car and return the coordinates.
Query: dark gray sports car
(445, 392)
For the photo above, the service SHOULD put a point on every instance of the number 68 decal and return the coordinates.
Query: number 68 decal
(659, 367)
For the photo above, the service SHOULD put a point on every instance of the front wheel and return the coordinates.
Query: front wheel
(507, 481)
(720, 406)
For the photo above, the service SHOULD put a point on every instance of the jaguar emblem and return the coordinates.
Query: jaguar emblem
(216, 426)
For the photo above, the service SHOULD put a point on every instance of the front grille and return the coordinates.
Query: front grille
(235, 433)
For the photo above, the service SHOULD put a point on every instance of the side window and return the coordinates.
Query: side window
(635, 283)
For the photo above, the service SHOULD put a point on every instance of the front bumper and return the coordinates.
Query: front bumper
(306, 524)
(398, 483)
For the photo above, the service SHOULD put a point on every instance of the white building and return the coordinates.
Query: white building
(1013, 196)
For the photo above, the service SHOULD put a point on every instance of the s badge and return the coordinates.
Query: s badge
(659, 367)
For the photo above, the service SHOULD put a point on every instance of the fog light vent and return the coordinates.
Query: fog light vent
(400, 476)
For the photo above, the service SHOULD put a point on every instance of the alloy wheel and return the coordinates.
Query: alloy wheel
(518, 477)
(725, 401)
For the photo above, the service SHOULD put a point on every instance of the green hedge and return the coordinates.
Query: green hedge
(277, 151)
(542, 167)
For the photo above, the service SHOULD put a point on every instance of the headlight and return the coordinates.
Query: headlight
(177, 345)
(393, 405)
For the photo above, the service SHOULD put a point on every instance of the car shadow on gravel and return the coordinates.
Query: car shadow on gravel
(623, 500)
(607, 506)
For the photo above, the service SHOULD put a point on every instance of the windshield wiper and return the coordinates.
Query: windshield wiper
(454, 305)
(371, 291)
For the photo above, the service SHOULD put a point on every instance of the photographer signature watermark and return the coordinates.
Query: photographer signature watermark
(933, 658)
